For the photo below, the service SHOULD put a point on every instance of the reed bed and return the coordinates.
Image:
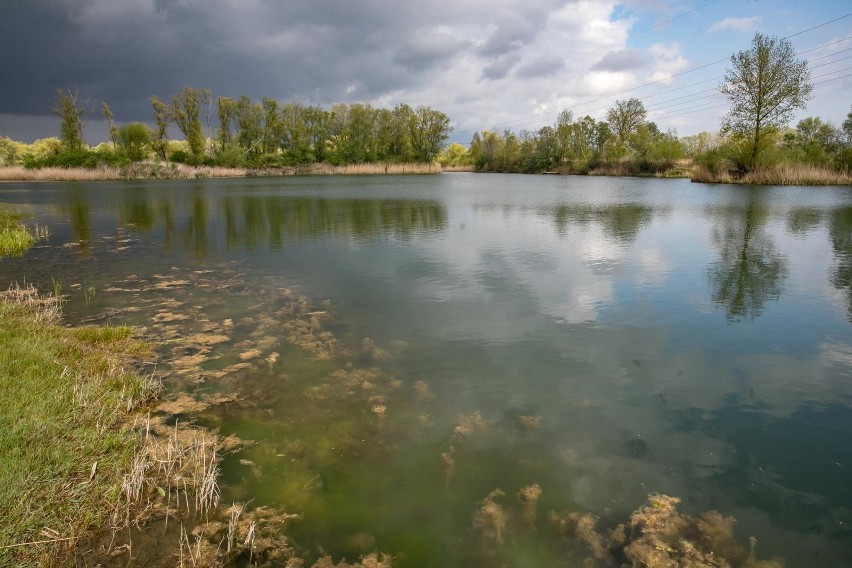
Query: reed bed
(135, 171)
(19, 173)
(796, 174)
(182, 171)
(459, 168)
(378, 168)
(783, 174)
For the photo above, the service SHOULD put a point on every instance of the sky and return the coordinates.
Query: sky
(488, 64)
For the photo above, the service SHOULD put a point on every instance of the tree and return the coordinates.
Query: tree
(162, 118)
(764, 84)
(428, 129)
(105, 110)
(71, 113)
(133, 139)
(225, 112)
(847, 127)
(186, 110)
(625, 117)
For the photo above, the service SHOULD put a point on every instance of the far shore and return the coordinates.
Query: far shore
(798, 174)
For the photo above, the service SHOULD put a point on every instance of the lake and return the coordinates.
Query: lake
(400, 347)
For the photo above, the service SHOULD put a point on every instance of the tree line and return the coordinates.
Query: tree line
(241, 133)
(764, 85)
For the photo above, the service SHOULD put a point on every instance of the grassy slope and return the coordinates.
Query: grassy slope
(63, 396)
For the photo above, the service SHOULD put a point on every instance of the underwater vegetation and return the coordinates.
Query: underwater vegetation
(223, 342)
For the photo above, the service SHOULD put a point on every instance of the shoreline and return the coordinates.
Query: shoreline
(784, 175)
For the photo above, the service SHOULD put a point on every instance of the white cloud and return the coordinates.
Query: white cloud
(736, 24)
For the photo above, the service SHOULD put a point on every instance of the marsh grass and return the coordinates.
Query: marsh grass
(16, 238)
(134, 171)
(153, 170)
(64, 394)
(378, 168)
(782, 174)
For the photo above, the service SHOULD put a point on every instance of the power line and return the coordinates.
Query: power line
(616, 93)
(655, 26)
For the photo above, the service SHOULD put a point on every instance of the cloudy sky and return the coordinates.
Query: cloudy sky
(489, 64)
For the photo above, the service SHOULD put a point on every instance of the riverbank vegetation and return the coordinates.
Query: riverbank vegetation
(237, 134)
(63, 453)
(764, 85)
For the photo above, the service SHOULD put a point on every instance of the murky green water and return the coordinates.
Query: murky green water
(616, 336)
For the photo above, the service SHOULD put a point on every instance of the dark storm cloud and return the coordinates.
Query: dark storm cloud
(123, 52)
(622, 60)
(427, 50)
(317, 51)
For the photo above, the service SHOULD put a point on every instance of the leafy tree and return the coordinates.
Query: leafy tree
(764, 84)
(72, 114)
(11, 152)
(273, 127)
(186, 110)
(225, 107)
(133, 139)
(847, 127)
(429, 129)
(162, 119)
(625, 117)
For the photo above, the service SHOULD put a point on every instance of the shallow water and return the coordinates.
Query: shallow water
(617, 336)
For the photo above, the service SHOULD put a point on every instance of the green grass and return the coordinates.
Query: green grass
(64, 394)
(15, 239)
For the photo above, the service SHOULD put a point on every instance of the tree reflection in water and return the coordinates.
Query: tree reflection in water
(750, 271)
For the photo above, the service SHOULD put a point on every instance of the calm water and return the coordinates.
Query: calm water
(617, 337)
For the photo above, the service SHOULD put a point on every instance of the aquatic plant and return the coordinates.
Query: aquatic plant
(528, 498)
(490, 519)
(468, 424)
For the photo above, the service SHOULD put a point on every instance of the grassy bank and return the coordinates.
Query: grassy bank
(64, 394)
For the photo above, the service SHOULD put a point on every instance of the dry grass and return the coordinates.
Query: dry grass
(784, 174)
(19, 173)
(135, 171)
(796, 174)
(459, 168)
(376, 169)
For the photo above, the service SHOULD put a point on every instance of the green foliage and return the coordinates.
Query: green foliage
(134, 139)
(580, 146)
(764, 84)
(11, 152)
(15, 239)
(624, 118)
(186, 112)
(162, 119)
(454, 155)
(71, 114)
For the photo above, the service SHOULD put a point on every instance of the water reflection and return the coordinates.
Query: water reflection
(621, 221)
(840, 231)
(575, 324)
(750, 270)
(251, 220)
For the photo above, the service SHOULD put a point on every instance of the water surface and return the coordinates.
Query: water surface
(617, 337)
